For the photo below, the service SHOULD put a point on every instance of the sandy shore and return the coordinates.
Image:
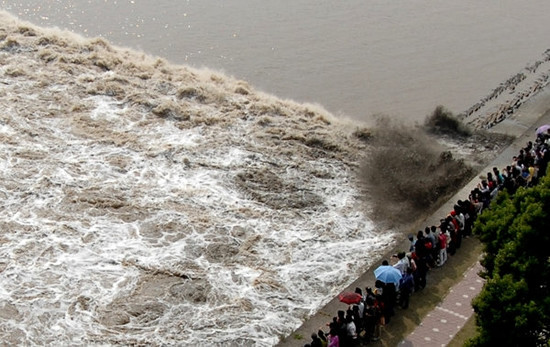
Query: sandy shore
(521, 124)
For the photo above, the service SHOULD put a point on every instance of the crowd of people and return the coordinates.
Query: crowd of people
(430, 248)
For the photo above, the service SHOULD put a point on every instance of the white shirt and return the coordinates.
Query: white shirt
(352, 331)
(402, 265)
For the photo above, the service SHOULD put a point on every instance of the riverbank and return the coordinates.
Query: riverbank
(521, 124)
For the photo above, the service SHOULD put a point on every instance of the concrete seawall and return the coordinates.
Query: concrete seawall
(522, 125)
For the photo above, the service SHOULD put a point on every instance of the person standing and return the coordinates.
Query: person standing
(406, 287)
(459, 221)
(402, 263)
(421, 258)
(333, 339)
(442, 247)
(351, 337)
(315, 341)
(322, 338)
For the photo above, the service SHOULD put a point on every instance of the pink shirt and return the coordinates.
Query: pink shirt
(334, 341)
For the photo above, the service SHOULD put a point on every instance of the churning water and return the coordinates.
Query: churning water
(150, 203)
(156, 204)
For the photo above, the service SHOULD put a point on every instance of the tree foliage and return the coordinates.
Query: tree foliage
(513, 309)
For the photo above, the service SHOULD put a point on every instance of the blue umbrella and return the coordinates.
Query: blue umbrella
(388, 274)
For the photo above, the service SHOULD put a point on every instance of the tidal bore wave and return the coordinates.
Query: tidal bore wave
(148, 203)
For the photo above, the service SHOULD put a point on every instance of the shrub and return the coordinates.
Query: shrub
(513, 308)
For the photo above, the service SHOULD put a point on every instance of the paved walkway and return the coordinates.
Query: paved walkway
(440, 326)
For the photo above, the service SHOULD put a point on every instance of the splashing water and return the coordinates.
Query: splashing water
(154, 204)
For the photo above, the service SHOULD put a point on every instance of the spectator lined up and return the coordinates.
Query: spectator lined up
(362, 322)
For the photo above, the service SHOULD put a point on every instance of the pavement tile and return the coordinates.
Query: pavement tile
(440, 326)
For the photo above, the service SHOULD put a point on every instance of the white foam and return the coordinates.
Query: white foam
(96, 201)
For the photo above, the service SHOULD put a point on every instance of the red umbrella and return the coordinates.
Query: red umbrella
(350, 298)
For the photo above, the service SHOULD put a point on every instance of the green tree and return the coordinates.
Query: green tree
(513, 309)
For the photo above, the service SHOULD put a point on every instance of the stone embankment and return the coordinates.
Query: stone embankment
(507, 98)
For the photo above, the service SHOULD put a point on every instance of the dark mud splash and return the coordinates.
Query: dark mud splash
(410, 170)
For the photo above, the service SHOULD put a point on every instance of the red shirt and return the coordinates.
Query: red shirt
(442, 241)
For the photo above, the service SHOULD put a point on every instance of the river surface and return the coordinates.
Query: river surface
(157, 204)
(356, 57)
